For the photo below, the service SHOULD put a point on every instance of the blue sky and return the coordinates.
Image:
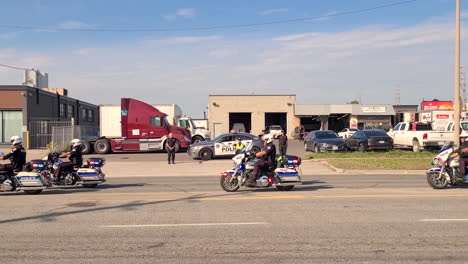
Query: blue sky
(327, 60)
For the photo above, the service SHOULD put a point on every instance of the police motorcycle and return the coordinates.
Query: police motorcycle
(89, 175)
(31, 182)
(284, 176)
(447, 169)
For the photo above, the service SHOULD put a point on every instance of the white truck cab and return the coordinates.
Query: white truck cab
(198, 134)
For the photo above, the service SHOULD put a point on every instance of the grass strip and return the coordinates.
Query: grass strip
(381, 164)
(373, 154)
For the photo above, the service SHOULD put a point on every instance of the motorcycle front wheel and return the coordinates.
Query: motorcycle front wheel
(228, 185)
(435, 182)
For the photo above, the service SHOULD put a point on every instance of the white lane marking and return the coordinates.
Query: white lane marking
(443, 220)
(177, 225)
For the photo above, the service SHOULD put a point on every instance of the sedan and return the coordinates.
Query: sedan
(223, 146)
(323, 140)
(369, 140)
(347, 132)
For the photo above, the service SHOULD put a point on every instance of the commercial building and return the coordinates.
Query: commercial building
(339, 116)
(34, 112)
(250, 113)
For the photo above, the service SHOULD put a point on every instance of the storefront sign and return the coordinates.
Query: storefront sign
(373, 109)
(442, 116)
(436, 105)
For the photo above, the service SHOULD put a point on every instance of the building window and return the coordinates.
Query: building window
(90, 115)
(10, 125)
(62, 111)
(83, 114)
(70, 111)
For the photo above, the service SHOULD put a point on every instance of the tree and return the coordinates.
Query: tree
(353, 102)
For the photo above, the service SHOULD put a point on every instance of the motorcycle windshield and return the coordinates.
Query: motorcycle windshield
(447, 145)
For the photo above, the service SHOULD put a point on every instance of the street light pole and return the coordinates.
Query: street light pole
(456, 94)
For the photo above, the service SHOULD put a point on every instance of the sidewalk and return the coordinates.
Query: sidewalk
(372, 172)
(192, 168)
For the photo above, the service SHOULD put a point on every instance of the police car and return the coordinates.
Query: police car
(223, 146)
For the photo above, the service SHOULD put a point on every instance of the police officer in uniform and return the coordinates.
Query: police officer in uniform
(170, 146)
(239, 146)
(268, 153)
(283, 143)
(17, 156)
(75, 155)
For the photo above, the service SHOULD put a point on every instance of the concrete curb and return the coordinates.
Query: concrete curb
(332, 167)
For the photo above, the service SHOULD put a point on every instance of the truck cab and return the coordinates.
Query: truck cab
(198, 133)
(143, 128)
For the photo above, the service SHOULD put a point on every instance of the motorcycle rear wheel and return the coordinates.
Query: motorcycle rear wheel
(435, 182)
(229, 186)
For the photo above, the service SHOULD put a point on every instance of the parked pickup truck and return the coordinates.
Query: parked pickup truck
(463, 128)
(418, 136)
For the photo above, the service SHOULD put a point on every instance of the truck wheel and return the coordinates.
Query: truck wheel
(87, 148)
(416, 146)
(177, 147)
(206, 154)
(196, 139)
(102, 146)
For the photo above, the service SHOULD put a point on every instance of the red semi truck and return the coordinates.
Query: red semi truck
(143, 128)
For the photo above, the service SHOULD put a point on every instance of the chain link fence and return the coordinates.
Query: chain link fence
(56, 135)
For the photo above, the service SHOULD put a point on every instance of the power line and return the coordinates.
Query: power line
(13, 67)
(214, 27)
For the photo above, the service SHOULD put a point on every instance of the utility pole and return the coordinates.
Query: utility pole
(398, 95)
(456, 92)
(463, 87)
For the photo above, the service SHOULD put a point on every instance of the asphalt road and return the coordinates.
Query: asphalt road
(329, 219)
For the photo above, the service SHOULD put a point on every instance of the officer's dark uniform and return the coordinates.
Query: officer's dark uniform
(463, 157)
(76, 160)
(269, 160)
(76, 156)
(17, 157)
(283, 144)
(171, 142)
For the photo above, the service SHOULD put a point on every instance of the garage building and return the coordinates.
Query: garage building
(339, 116)
(250, 113)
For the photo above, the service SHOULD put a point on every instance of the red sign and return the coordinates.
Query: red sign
(442, 116)
(436, 105)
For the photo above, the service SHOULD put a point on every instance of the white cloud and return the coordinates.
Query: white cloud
(273, 11)
(186, 12)
(74, 25)
(223, 53)
(84, 51)
(8, 35)
(181, 12)
(183, 40)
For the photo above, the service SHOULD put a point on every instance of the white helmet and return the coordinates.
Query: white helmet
(268, 138)
(75, 142)
(16, 140)
(13, 138)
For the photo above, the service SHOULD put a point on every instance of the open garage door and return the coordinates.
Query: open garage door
(311, 123)
(242, 122)
(337, 122)
(276, 119)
